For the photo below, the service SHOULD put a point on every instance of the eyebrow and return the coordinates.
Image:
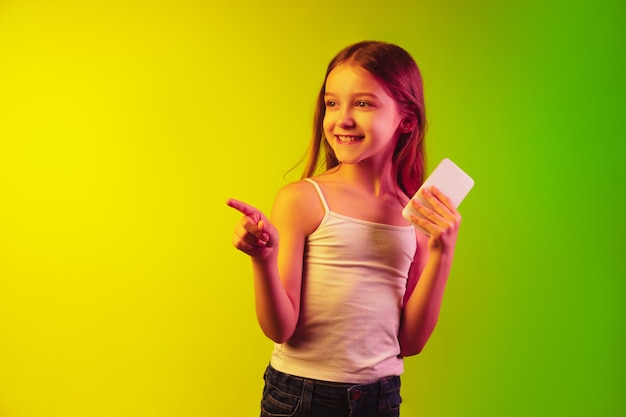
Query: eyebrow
(357, 94)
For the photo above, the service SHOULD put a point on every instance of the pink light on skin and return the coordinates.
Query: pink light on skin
(360, 115)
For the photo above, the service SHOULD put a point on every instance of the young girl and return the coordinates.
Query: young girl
(344, 285)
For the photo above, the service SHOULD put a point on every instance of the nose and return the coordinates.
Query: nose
(345, 119)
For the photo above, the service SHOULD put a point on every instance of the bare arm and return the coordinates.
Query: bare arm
(429, 273)
(277, 273)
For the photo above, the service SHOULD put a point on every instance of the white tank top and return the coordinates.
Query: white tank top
(354, 279)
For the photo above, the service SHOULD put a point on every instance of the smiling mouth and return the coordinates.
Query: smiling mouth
(348, 138)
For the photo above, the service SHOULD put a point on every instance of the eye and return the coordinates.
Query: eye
(331, 103)
(362, 103)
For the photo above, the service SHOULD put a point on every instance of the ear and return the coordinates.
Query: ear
(407, 124)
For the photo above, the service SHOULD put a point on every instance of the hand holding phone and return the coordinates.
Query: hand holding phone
(447, 177)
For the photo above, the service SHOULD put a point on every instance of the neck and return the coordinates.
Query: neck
(364, 176)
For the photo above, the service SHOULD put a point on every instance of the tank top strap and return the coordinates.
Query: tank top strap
(319, 193)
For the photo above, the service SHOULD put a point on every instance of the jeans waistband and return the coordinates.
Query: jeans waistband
(333, 391)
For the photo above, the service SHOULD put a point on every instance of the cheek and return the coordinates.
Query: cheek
(384, 127)
(389, 124)
(327, 124)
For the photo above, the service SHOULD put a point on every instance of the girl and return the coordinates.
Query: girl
(344, 285)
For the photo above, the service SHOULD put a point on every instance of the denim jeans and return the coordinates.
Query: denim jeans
(291, 396)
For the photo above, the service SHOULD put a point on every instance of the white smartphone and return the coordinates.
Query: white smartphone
(450, 179)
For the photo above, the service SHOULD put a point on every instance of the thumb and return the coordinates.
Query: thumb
(264, 227)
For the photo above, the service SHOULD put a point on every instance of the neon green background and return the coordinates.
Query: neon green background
(124, 126)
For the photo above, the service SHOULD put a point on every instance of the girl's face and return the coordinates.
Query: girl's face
(362, 121)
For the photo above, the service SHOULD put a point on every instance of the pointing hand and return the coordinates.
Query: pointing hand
(254, 234)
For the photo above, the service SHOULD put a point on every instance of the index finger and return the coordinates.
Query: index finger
(447, 201)
(242, 207)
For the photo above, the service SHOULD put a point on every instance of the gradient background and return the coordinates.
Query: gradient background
(125, 125)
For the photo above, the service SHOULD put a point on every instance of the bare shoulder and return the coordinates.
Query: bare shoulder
(299, 194)
(297, 204)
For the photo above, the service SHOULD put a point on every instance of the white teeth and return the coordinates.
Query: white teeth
(349, 138)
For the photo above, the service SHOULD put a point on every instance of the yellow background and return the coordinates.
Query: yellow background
(125, 125)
